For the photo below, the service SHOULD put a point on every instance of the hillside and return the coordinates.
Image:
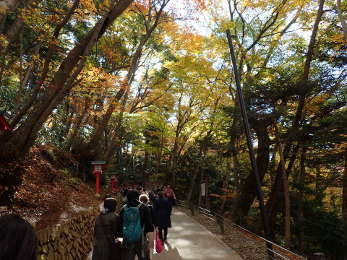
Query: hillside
(50, 190)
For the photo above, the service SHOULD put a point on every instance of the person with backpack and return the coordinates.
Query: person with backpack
(135, 222)
(105, 233)
(162, 215)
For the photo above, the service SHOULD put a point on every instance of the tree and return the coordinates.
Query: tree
(342, 18)
(152, 16)
(18, 142)
(299, 115)
(344, 194)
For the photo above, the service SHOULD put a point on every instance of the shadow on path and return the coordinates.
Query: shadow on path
(188, 240)
(170, 253)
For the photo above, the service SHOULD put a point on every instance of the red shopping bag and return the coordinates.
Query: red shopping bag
(158, 244)
(4, 126)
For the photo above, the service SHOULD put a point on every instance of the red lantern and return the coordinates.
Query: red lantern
(97, 169)
(4, 125)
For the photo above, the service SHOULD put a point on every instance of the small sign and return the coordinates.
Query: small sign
(203, 189)
(111, 173)
(98, 162)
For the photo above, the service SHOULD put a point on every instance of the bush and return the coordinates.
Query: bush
(324, 231)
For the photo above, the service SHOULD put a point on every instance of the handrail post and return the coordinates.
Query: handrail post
(220, 222)
(250, 145)
(191, 207)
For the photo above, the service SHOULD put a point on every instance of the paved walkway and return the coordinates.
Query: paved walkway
(188, 240)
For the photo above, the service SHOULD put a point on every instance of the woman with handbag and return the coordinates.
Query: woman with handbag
(105, 233)
(162, 215)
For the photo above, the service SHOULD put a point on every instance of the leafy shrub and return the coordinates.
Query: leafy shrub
(324, 231)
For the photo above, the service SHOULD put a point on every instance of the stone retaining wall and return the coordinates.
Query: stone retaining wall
(70, 240)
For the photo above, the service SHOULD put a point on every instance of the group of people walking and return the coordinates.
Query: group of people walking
(142, 213)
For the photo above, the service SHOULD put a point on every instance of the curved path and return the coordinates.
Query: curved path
(188, 240)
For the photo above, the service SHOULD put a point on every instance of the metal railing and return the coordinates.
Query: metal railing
(278, 251)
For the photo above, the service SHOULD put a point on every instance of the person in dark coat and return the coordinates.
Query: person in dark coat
(152, 196)
(170, 195)
(18, 240)
(130, 250)
(105, 233)
(145, 200)
(162, 215)
(101, 206)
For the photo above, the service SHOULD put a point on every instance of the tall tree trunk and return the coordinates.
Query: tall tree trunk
(234, 137)
(77, 126)
(276, 195)
(160, 152)
(68, 125)
(286, 197)
(301, 180)
(192, 185)
(207, 198)
(118, 133)
(113, 147)
(125, 87)
(17, 143)
(173, 159)
(344, 199)
(202, 178)
(318, 182)
(272, 205)
(225, 185)
(16, 27)
(272, 167)
(13, 32)
(26, 78)
(8, 6)
(247, 193)
(342, 19)
(51, 47)
(47, 61)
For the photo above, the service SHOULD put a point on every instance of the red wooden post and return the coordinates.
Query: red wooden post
(97, 182)
(97, 170)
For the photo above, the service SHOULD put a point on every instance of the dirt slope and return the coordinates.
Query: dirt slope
(48, 191)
